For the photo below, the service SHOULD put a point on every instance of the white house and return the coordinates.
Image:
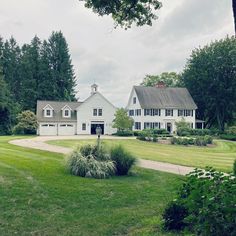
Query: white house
(160, 107)
(71, 118)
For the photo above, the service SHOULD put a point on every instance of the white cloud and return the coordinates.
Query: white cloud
(117, 59)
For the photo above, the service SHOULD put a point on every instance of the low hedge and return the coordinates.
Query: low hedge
(199, 141)
(124, 133)
(231, 137)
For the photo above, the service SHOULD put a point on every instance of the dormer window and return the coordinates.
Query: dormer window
(134, 100)
(66, 111)
(48, 111)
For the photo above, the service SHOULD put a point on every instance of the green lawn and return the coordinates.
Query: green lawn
(221, 156)
(38, 197)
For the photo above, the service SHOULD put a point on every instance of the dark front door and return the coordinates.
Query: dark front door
(169, 127)
(94, 126)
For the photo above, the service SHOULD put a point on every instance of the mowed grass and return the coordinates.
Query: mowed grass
(221, 156)
(39, 197)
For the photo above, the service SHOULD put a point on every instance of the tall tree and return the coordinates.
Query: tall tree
(171, 79)
(210, 76)
(234, 13)
(126, 12)
(30, 64)
(61, 67)
(7, 107)
(11, 68)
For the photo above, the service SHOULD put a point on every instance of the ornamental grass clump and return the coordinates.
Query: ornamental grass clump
(91, 161)
(123, 160)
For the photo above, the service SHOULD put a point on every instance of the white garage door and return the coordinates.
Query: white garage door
(48, 129)
(66, 129)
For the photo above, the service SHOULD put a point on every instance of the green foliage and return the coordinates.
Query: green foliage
(231, 137)
(124, 133)
(231, 130)
(26, 123)
(234, 167)
(171, 79)
(91, 161)
(174, 216)
(209, 199)
(122, 121)
(126, 12)
(183, 127)
(123, 160)
(210, 76)
(198, 141)
(201, 132)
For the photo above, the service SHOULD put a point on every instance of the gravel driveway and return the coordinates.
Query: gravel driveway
(40, 143)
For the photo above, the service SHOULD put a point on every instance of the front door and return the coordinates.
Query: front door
(169, 127)
(94, 126)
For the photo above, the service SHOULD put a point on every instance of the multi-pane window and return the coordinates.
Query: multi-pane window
(84, 126)
(48, 112)
(185, 112)
(152, 112)
(99, 112)
(137, 125)
(169, 112)
(134, 100)
(95, 112)
(131, 112)
(138, 112)
(152, 125)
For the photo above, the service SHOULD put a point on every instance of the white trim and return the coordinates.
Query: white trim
(48, 105)
(66, 106)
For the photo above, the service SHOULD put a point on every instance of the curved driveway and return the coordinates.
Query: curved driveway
(40, 143)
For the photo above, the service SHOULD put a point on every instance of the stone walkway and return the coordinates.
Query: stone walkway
(40, 143)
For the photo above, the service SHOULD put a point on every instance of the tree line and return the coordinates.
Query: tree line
(40, 70)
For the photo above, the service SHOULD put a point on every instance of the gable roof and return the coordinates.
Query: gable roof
(152, 97)
(94, 94)
(57, 110)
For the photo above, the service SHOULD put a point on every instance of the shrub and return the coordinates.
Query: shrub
(174, 216)
(231, 130)
(27, 123)
(209, 198)
(231, 137)
(160, 131)
(124, 133)
(123, 160)
(208, 139)
(91, 161)
(99, 153)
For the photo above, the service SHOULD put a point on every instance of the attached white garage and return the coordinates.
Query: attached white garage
(48, 129)
(66, 129)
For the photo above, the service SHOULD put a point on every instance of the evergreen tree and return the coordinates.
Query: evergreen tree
(30, 64)
(62, 72)
(11, 68)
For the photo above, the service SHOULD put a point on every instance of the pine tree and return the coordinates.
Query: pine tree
(61, 68)
(11, 68)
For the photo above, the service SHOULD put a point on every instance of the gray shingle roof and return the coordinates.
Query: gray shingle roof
(152, 97)
(57, 112)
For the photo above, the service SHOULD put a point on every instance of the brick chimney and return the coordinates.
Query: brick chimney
(160, 84)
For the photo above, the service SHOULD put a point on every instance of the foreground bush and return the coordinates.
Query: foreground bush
(123, 160)
(91, 161)
(205, 204)
(89, 166)
(234, 168)
(199, 141)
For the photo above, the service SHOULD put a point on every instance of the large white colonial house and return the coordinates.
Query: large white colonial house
(160, 107)
(71, 118)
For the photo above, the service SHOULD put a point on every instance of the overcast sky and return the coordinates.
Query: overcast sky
(114, 58)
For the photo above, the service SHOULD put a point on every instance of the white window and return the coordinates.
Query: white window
(169, 112)
(84, 126)
(137, 125)
(48, 113)
(66, 113)
(99, 112)
(95, 112)
(134, 100)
